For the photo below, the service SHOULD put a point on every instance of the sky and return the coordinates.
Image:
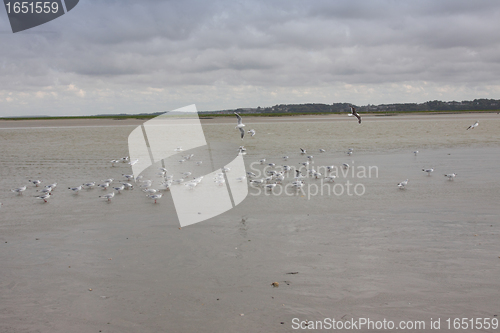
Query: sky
(123, 56)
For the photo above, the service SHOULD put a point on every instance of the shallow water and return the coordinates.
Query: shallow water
(425, 252)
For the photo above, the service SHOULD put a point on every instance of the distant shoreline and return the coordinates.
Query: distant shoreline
(208, 115)
(249, 119)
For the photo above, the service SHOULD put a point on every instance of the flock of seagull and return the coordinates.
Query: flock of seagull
(271, 180)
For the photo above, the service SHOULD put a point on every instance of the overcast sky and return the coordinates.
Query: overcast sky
(150, 55)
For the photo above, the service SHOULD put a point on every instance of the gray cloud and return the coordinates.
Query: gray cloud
(128, 55)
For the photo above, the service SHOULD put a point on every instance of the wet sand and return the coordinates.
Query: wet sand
(430, 251)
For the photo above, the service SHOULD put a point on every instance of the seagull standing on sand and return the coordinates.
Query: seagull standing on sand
(402, 185)
(35, 182)
(428, 171)
(415, 152)
(451, 176)
(75, 189)
(355, 114)
(108, 196)
(476, 124)
(44, 197)
(155, 196)
(240, 125)
(19, 190)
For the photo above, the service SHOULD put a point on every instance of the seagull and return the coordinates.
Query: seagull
(133, 162)
(19, 190)
(304, 163)
(110, 180)
(35, 182)
(155, 196)
(128, 186)
(270, 186)
(119, 188)
(226, 169)
(89, 185)
(287, 168)
(44, 197)
(322, 150)
(104, 186)
(428, 171)
(262, 161)
(451, 176)
(191, 184)
(240, 125)
(113, 162)
(476, 124)
(149, 190)
(129, 177)
(252, 132)
(303, 151)
(108, 196)
(178, 149)
(310, 157)
(345, 165)
(355, 114)
(415, 152)
(298, 175)
(403, 184)
(51, 186)
(272, 165)
(331, 178)
(45, 190)
(75, 189)
(124, 159)
(285, 158)
(242, 178)
(251, 174)
(199, 163)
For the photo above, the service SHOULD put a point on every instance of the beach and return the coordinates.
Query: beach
(81, 264)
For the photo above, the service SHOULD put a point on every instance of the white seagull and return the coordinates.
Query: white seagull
(252, 132)
(403, 184)
(89, 185)
(108, 196)
(119, 188)
(155, 196)
(415, 152)
(240, 125)
(476, 124)
(44, 197)
(75, 189)
(19, 190)
(428, 171)
(303, 151)
(322, 150)
(35, 182)
(451, 176)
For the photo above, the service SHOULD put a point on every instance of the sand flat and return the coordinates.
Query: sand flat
(430, 251)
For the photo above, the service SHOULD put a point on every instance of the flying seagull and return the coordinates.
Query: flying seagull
(240, 125)
(476, 124)
(252, 132)
(355, 114)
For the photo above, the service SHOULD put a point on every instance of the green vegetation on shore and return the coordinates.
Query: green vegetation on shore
(431, 107)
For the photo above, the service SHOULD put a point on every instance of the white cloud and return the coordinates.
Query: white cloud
(152, 56)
